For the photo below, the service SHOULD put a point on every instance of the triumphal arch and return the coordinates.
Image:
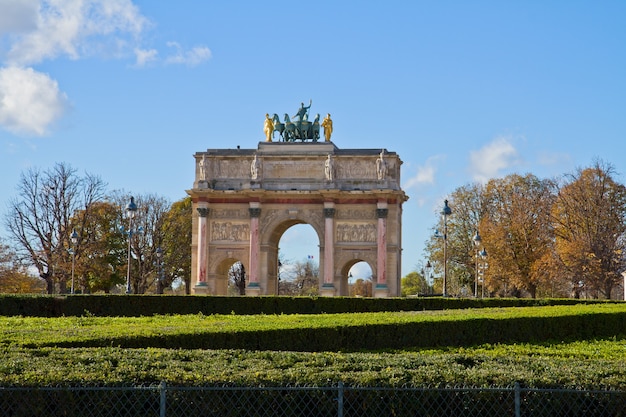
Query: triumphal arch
(245, 199)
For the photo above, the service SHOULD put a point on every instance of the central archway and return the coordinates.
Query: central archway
(298, 261)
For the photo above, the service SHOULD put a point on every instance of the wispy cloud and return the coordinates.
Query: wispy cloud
(72, 28)
(493, 158)
(18, 16)
(145, 56)
(554, 158)
(425, 174)
(34, 31)
(192, 57)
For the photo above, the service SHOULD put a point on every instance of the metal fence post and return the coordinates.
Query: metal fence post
(162, 391)
(518, 400)
(340, 399)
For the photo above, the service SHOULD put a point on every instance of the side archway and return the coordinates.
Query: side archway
(222, 274)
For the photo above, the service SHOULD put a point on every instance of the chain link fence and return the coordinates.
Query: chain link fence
(333, 401)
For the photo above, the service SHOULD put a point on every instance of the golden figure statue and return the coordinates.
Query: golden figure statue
(327, 124)
(268, 128)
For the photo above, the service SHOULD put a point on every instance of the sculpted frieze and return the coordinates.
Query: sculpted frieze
(230, 231)
(365, 214)
(232, 168)
(293, 169)
(229, 213)
(356, 232)
(356, 169)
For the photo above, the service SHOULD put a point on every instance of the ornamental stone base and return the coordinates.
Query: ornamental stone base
(381, 291)
(253, 289)
(201, 288)
(327, 290)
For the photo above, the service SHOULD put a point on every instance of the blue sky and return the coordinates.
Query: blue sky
(462, 91)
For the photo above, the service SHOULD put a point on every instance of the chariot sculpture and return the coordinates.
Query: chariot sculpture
(300, 128)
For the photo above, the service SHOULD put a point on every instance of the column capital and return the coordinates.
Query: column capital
(254, 212)
(329, 213)
(382, 213)
(203, 211)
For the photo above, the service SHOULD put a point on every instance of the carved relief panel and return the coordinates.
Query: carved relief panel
(356, 232)
(230, 231)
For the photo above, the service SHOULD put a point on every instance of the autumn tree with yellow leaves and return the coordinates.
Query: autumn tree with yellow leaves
(589, 224)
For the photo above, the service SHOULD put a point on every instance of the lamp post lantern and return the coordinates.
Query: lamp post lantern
(477, 241)
(131, 209)
(445, 212)
(74, 239)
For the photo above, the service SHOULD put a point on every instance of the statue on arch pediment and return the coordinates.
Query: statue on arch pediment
(300, 128)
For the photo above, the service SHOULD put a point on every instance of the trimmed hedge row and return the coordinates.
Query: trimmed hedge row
(147, 305)
(589, 365)
(397, 336)
(370, 332)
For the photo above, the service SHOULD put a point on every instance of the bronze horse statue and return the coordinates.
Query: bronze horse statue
(315, 128)
(289, 134)
(303, 130)
(278, 126)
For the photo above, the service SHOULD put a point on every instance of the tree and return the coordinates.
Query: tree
(100, 249)
(590, 224)
(361, 288)
(298, 278)
(414, 283)
(40, 220)
(176, 244)
(517, 232)
(307, 278)
(145, 235)
(237, 277)
(468, 207)
(13, 274)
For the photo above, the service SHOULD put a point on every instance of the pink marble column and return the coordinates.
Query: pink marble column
(255, 245)
(329, 244)
(202, 255)
(381, 272)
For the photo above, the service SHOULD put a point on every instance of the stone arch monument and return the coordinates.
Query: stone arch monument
(245, 199)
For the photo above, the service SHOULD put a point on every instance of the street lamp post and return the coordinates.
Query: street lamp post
(427, 270)
(131, 209)
(74, 239)
(483, 266)
(445, 212)
(477, 241)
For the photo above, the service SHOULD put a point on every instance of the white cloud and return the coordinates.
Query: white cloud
(493, 158)
(33, 31)
(18, 15)
(192, 57)
(144, 56)
(75, 28)
(554, 158)
(425, 174)
(30, 101)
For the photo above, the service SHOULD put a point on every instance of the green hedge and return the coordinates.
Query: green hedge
(146, 305)
(52, 351)
(394, 336)
(324, 332)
